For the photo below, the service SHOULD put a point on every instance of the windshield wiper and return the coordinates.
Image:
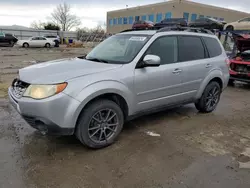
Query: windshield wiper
(97, 60)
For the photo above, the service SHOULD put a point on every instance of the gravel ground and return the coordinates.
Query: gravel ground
(177, 148)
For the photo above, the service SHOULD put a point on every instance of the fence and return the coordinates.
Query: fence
(27, 33)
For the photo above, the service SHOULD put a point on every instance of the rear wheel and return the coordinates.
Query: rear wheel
(230, 28)
(210, 98)
(100, 124)
(11, 43)
(25, 45)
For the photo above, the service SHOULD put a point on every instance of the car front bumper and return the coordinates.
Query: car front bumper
(239, 77)
(53, 115)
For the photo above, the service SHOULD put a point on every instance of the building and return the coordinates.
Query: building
(119, 20)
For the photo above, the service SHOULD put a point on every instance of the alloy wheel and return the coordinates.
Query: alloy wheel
(212, 98)
(103, 125)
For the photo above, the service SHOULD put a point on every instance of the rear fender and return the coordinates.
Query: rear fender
(213, 74)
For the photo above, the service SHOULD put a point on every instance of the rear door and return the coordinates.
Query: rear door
(194, 62)
(42, 41)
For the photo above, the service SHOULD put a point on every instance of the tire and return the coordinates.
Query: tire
(25, 45)
(47, 45)
(231, 82)
(90, 128)
(229, 28)
(11, 43)
(212, 91)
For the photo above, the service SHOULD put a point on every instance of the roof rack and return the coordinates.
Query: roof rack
(172, 28)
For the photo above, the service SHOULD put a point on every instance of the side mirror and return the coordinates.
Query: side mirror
(151, 61)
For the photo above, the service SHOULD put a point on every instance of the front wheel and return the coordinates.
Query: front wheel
(47, 45)
(210, 98)
(100, 124)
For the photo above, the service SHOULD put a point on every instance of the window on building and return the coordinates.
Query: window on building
(114, 21)
(159, 17)
(165, 48)
(193, 17)
(151, 18)
(125, 20)
(120, 21)
(201, 16)
(144, 17)
(130, 20)
(137, 18)
(168, 15)
(213, 47)
(110, 21)
(190, 48)
(186, 16)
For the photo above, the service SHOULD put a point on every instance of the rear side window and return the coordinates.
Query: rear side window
(213, 46)
(190, 48)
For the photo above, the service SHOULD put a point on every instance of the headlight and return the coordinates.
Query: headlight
(44, 91)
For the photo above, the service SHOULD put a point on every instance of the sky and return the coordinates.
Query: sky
(91, 12)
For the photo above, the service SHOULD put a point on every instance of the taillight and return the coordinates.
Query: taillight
(227, 62)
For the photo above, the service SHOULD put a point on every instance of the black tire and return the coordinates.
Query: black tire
(25, 45)
(231, 82)
(203, 104)
(229, 28)
(90, 126)
(11, 43)
(47, 45)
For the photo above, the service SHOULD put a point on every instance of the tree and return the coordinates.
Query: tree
(62, 16)
(51, 26)
(37, 25)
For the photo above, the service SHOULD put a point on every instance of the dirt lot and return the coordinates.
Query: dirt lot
(178, 148)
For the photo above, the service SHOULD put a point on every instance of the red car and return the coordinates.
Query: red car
(142, 24)
(239, 66)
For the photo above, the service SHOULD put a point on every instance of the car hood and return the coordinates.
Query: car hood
(242, 41)
(61, 70)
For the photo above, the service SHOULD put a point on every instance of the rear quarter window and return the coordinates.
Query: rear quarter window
(213, 46)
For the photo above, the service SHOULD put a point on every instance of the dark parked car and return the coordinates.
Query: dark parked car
(142, 24)
(207, 23)
(172, 22)
(7, 39)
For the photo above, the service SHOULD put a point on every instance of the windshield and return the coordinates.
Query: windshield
(118, 49)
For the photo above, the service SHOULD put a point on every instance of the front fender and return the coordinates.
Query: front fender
(213, 74)
(99, 88)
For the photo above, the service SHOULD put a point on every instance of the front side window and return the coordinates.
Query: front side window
(118, 49)
(165, 48)
(190, 48)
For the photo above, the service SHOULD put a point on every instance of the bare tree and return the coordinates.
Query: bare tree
(37, 25)
(62, 16)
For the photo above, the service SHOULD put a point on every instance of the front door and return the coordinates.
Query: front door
(158, 86)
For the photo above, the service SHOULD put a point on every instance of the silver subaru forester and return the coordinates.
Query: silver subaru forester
(127, 75)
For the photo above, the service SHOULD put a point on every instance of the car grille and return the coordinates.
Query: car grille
(18, 88)
(240, 68)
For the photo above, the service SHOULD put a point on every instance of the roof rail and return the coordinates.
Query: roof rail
(172, 28)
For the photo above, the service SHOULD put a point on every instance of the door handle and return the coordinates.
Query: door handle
(208, 65)
(176, 71)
